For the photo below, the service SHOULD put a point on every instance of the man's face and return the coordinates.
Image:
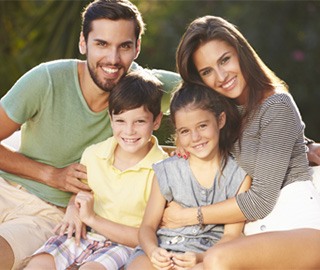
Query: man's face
(110, 49)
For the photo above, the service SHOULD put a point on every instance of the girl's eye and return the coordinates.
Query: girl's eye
(203, 126)
(184, 132)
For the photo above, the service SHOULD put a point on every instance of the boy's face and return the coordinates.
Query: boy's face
(110, 49)
(132, 129)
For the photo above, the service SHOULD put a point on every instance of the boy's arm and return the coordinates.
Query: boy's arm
(119, 233)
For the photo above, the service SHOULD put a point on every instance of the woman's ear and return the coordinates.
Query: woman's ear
(222, 120)
(82, 44)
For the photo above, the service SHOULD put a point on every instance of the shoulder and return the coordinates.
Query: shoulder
(170, 163)
(233, 167)
(102, 149)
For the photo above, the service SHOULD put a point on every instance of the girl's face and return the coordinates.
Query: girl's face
(132, 129)
(218, 65)
(198, 132)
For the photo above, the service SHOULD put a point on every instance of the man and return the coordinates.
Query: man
(61, 108)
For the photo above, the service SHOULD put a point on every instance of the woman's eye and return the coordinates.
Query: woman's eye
(225, 60)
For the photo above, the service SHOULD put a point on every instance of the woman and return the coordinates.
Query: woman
(282, 207)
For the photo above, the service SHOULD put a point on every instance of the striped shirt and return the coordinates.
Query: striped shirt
(273, 153)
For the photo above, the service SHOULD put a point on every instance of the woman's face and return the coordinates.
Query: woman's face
(218, 65)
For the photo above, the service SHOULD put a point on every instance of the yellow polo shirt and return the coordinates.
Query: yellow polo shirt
(120, 196)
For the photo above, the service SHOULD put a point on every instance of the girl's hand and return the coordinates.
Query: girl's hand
(161, 259)
(184, 260)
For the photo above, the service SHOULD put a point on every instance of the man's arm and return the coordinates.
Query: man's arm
(66, 179)
(313, 152)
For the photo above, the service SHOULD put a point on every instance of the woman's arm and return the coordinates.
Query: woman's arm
(224, 212)
(234, 230)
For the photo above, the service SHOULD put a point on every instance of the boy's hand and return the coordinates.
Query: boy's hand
(72, 223)
(84, 202)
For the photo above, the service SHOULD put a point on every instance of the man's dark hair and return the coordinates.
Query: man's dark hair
(112, 10)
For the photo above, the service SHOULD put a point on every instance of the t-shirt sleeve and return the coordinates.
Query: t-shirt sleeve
(24, 100)
(162, 177)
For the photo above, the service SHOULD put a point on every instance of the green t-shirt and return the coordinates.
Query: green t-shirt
(57, 122)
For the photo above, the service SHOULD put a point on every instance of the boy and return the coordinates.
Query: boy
(120, 174)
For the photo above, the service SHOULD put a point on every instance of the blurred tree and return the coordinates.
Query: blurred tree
(284, 33)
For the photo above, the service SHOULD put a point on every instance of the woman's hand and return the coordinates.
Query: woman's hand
(172, 216)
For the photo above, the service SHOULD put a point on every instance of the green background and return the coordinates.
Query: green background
(286, 35)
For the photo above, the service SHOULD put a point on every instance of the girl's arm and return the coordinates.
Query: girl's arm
(151, 220)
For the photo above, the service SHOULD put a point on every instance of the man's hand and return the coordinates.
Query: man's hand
(68, 178)
(314, 154)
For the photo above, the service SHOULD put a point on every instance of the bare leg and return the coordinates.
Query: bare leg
(141, 262)
(92, 265)
(296, 249)
(7, 256)
(40, 262)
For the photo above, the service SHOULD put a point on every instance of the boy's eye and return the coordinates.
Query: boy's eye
(119, 121)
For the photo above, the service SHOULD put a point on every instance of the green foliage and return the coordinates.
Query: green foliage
(284, 33)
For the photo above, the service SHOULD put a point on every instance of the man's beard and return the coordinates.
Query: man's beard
(106, 85)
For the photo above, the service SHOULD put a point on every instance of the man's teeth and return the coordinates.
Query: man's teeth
(110, 70)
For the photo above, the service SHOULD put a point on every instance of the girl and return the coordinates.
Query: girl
(282, 206)
(206, 125)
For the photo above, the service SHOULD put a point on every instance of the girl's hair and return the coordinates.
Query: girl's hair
(112, 10)
(136, 89)
(194, 97)
(257, 75)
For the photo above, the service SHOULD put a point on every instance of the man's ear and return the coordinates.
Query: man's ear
(82, 44)
(138, 48)
(222, 120)
(157, 121)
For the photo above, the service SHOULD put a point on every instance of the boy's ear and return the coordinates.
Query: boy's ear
(222, 120)
(82, 44)
(157, 121)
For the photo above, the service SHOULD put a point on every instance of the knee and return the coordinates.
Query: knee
(215, 258)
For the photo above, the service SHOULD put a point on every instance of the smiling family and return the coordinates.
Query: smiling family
(90, 169)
